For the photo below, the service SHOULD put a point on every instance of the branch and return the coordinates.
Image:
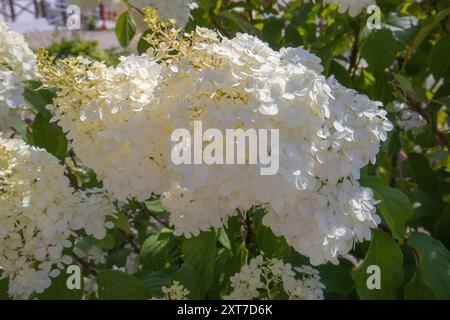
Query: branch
(84, 264)
(442, 140)
(129, 238)
(217, 24)
(416, 106)
(153, 215)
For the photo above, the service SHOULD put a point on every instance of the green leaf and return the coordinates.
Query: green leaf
(107, 242)
(438, 59)
(221, 262)
(267, 242)
(154, 281)
(428, 26)
(154, 251)
(39, 99)
(379, 49)
(116, 285)
(423, 174)
(121, 222)
(336, 278)
(442, 226)
(405, 85)
(155, 205)
(416, 289)
(238, 260)
(403, 27)
(49, 136)
(125, 29)
(386, 254)
(199, 253)
(117, 257)
(272, 31)
(192, 280)
(4, 283)
(241, 21)
(395, 206)
(59, 290)
(222, 237)
(143, 44)
(434, 265)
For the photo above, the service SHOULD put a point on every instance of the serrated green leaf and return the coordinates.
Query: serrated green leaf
(154, 252)
(199, 253)
(155, 280)
(116, 285)
(434, 265)
(191, 279)
(121, 222)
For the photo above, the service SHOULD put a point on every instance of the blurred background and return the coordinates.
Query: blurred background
(43, 22)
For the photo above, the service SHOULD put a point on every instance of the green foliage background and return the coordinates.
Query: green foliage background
(411, 176)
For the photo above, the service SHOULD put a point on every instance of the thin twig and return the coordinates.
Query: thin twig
(216, 23)
(129, 238)
(416, 106)
(84, 264)
(153, 215)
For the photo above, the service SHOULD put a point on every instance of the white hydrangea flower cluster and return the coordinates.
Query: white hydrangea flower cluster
(327, 134)
(39, 214)
(117, 133)
(17, 64)
(354, 7)
(271, 278)
(407, 119)
(123, 125)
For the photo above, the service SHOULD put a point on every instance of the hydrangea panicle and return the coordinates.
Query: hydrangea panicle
(39, 216)
(265, 278)
(120, 121)
(17, 64)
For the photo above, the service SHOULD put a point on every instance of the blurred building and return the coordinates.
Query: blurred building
(44, 21)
